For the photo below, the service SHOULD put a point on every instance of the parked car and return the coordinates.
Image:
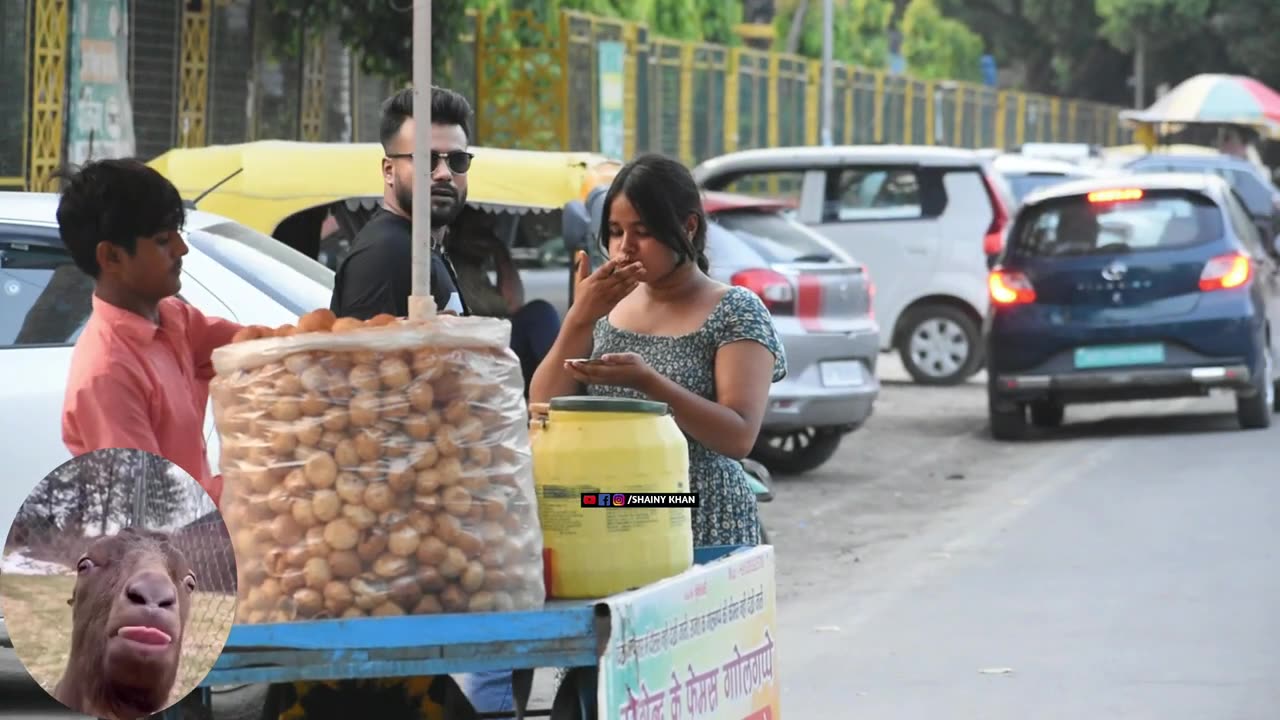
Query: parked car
(47, 300)
(1260, 196)
(923, 220)
(1130, 288)
(820, 299)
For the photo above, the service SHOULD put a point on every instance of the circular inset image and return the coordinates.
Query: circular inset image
(118, 584)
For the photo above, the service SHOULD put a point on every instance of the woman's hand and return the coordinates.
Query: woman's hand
(627, 370)
(596, 293)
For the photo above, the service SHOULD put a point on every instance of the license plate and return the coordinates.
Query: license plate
(1119, 355)
(844, 373)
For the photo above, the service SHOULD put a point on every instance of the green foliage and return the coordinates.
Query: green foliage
(859, 30)
(1162, 22)
(936, 47)
(676, 19)
(719, 18)
(380, 30)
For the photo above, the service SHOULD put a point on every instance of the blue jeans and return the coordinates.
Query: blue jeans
(534, 328)
(488, 691)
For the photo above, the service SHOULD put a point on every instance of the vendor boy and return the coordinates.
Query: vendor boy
(140, 371)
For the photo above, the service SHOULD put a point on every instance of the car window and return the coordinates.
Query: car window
(726, 250)
(274, 249)
(1253, 193)
(44, 298)
(784, 185)
(873, 193)
(1155, 221)
(775, 236)
(1023, 184)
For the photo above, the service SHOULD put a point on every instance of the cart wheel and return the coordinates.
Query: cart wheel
(576, 697)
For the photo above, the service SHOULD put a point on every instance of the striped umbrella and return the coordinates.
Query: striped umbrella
(1215, 99)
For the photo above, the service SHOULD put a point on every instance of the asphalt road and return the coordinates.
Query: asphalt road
(1124, 567)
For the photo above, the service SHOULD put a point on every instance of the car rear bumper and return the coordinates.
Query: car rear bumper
(805, 399)
(1123, 383)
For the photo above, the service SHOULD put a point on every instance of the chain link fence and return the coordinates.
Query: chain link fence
(92, 496)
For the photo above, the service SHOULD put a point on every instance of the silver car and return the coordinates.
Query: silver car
(820, 299)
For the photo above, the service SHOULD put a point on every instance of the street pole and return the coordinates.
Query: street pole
(1139, 73)
(828, 70)
(421, 304)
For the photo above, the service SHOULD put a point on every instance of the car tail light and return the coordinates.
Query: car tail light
(1121, 195)
(993, 241)
(1010, 288)
(1225, 272)
(773, 288)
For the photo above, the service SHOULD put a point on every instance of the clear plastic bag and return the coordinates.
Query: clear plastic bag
(378, 469)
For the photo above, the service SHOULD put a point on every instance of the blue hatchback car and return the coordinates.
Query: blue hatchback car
(1131, 287)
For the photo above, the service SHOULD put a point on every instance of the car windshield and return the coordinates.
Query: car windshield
(777, 237)
(274, 249)
(1022, 185)
(1154, 221)
(280, 281)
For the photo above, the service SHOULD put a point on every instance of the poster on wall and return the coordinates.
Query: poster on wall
(610, 56)
(99, 112)
(696, 647)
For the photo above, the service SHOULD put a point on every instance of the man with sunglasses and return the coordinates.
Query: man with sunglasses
(376, 277)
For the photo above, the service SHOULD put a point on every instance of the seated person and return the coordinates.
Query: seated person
(472, 244)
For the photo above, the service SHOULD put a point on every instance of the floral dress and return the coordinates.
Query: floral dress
(726, 512)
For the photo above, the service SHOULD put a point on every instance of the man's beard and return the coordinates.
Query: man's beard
(440, 217)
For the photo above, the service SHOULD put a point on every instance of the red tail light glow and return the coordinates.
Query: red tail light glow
(1226, 272)
(772, 287)
(1010, 288)
(993, 241)
(1106, 196)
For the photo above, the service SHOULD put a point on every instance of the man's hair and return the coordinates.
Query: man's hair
(447, 108)
(117, 201)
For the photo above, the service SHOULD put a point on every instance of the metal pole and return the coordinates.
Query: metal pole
(421, 304)
(1139, 73)
(828, 70)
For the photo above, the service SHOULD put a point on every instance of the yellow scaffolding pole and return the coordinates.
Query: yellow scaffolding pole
(686, 102)
(48, 92)
(879, 106)
(731, 90)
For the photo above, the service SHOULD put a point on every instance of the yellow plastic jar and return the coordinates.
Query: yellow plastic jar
(609, 445)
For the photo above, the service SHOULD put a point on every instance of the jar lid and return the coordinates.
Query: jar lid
(591, 403)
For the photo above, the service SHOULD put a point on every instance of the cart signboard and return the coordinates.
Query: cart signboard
(697, 646)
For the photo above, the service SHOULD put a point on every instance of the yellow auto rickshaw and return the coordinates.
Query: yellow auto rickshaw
(315, 196)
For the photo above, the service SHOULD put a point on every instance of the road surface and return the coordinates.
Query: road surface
(1125, 567)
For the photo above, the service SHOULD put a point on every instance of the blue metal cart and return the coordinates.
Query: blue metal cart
(563, 634)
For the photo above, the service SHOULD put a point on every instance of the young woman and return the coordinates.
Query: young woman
(661, 329)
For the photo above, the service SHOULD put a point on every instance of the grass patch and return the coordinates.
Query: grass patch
(39, 622)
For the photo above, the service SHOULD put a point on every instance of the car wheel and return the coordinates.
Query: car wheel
(940, 345)
(1007, 423)
(797, 451)
(1254, 411)
(1047, 413)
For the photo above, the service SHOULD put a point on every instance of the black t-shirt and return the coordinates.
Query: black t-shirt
(377, 276)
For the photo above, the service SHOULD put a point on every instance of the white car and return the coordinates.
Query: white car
(924, 221)
(230, 271)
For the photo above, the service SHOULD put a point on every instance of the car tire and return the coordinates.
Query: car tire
(928, 341)
(1007, 423)
(798, 451)
(1047, 413)
(1253, 411)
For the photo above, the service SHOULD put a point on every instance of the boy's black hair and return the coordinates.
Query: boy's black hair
(447, 108)
(117, 201)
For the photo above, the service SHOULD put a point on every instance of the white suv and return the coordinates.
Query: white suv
(924, 220)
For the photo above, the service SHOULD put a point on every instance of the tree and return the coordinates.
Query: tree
(378, 31)
(860, 30)
(719, 20)
(1163, 23)
(1247, 30)
(676, 19)
(936, 47)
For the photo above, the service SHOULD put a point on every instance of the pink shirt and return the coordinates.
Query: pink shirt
(134, 384)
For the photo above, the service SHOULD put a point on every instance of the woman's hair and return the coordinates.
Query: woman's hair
(664, 194)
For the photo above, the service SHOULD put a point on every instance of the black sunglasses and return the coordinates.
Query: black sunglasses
(459, 161)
